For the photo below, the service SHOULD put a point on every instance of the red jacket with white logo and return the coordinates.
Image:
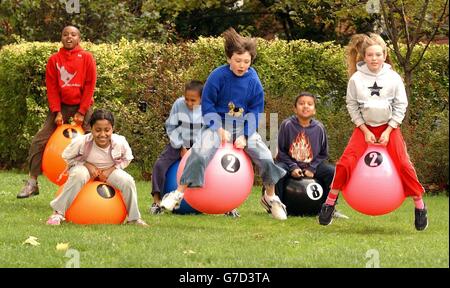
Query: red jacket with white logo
(70, 78)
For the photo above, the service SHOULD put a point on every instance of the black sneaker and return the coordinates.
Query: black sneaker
(326, 214)
(155, 209)
(421, 219)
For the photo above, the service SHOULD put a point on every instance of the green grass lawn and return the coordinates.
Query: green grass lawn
(254, 240)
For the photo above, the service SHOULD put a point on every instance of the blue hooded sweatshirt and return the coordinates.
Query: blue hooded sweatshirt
(236, 99)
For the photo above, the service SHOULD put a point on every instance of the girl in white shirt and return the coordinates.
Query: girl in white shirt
(100, 155)
(376, 101)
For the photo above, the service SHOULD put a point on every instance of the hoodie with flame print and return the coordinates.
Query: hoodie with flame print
(302, 147)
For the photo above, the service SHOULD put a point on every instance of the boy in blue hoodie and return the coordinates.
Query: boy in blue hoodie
(232, 99)
(303, 146)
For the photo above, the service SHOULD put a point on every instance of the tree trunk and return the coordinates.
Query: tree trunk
(408, 83)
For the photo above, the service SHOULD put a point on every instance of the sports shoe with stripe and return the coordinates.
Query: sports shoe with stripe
(171, 200)
(275, 207)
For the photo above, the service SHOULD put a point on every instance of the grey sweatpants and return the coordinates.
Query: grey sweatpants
(79, 176)
(205, 148)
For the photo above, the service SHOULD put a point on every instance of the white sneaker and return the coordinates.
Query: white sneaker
(275, 207)
(339, 215)
(171, 200)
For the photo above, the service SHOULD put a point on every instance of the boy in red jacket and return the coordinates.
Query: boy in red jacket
(70, 79)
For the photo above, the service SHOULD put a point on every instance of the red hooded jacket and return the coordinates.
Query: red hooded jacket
(70, 77)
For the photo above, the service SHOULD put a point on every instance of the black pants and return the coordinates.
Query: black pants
(169, 156)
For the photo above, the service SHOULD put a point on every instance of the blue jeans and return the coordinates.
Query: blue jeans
(205, 148)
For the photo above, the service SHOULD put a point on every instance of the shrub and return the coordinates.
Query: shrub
(132, 71)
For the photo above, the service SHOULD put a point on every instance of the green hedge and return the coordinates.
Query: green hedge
(133, 71)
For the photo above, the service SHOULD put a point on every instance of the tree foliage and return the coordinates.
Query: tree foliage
(414, 23)
(99, 21)
(173, 21)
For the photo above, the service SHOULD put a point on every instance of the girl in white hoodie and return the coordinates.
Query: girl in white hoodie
(376, 101)
(99, 155)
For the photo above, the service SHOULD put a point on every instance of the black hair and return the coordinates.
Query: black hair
(74, 26)
(304, 93)
(194, 85)
(101, 115)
